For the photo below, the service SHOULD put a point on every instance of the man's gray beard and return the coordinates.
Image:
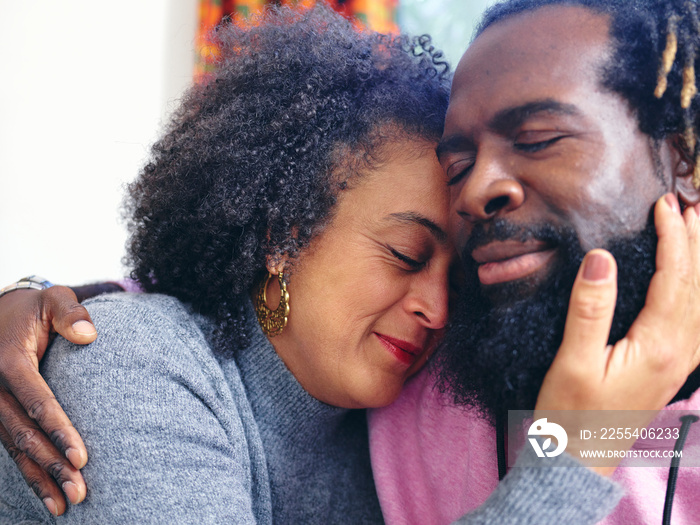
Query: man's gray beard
(494, 358)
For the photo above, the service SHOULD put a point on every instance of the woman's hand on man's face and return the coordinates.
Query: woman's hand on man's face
(33, 428)
(645, 369)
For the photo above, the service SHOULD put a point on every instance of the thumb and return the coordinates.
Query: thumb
(591, 310)
(68, 317)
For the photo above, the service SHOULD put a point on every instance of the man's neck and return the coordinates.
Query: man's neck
(690, 386)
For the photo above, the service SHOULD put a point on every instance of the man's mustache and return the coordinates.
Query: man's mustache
(500, 229)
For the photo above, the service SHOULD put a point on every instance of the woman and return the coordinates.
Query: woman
(292, 174)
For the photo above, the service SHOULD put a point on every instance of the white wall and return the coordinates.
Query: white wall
(84, 89)
(451, 23)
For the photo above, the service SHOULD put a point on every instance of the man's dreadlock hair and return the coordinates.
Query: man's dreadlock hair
(656, 46)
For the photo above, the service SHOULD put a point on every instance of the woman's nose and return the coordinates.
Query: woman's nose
(428, 300)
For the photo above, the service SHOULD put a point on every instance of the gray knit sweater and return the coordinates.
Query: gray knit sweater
(176, 434)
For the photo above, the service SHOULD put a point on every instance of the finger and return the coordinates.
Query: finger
(692, 224)
(591, 310)
(19, 369)
(37, 478)
(31, 391)
(667, 297)
(26, 437)
(68, 317)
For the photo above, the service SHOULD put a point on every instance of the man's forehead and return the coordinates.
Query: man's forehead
(567, 23)
(533, 51)
(542, 35)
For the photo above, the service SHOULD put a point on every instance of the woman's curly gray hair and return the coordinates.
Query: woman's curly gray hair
(254, 158)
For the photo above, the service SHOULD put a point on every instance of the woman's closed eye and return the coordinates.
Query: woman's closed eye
(412, 263)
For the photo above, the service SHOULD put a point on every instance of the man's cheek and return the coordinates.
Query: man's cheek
(459, 232)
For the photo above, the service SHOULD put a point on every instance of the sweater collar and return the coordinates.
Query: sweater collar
(273, 389)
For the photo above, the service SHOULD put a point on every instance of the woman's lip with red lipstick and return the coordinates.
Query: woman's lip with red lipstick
(501, 262)
(404, 351)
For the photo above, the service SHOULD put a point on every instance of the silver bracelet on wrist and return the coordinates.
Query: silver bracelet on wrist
(32, 281)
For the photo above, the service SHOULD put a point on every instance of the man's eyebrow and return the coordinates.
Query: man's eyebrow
(506, 121)
(452, 144)
(422, 220)
(510, 118)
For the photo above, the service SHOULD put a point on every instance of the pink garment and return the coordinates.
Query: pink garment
(434, 462)
(129, 285)
(645, 488)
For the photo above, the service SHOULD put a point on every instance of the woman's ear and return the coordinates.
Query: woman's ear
(275, 264)
(686, 171)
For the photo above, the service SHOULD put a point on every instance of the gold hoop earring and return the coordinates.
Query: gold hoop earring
(271, 321)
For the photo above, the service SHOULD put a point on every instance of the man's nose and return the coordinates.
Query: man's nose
(490, 190)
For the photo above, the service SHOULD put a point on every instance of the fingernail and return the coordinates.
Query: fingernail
(71, 491)
(76, 458)
(596, 267)
(51, 505)
(672, 202)
(83, 328)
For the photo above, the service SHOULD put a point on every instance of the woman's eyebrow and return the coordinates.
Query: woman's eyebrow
(422, 220)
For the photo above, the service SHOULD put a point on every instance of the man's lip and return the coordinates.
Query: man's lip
(496, 251)
(504, 261)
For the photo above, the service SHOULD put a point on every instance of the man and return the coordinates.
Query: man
(567, 120)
